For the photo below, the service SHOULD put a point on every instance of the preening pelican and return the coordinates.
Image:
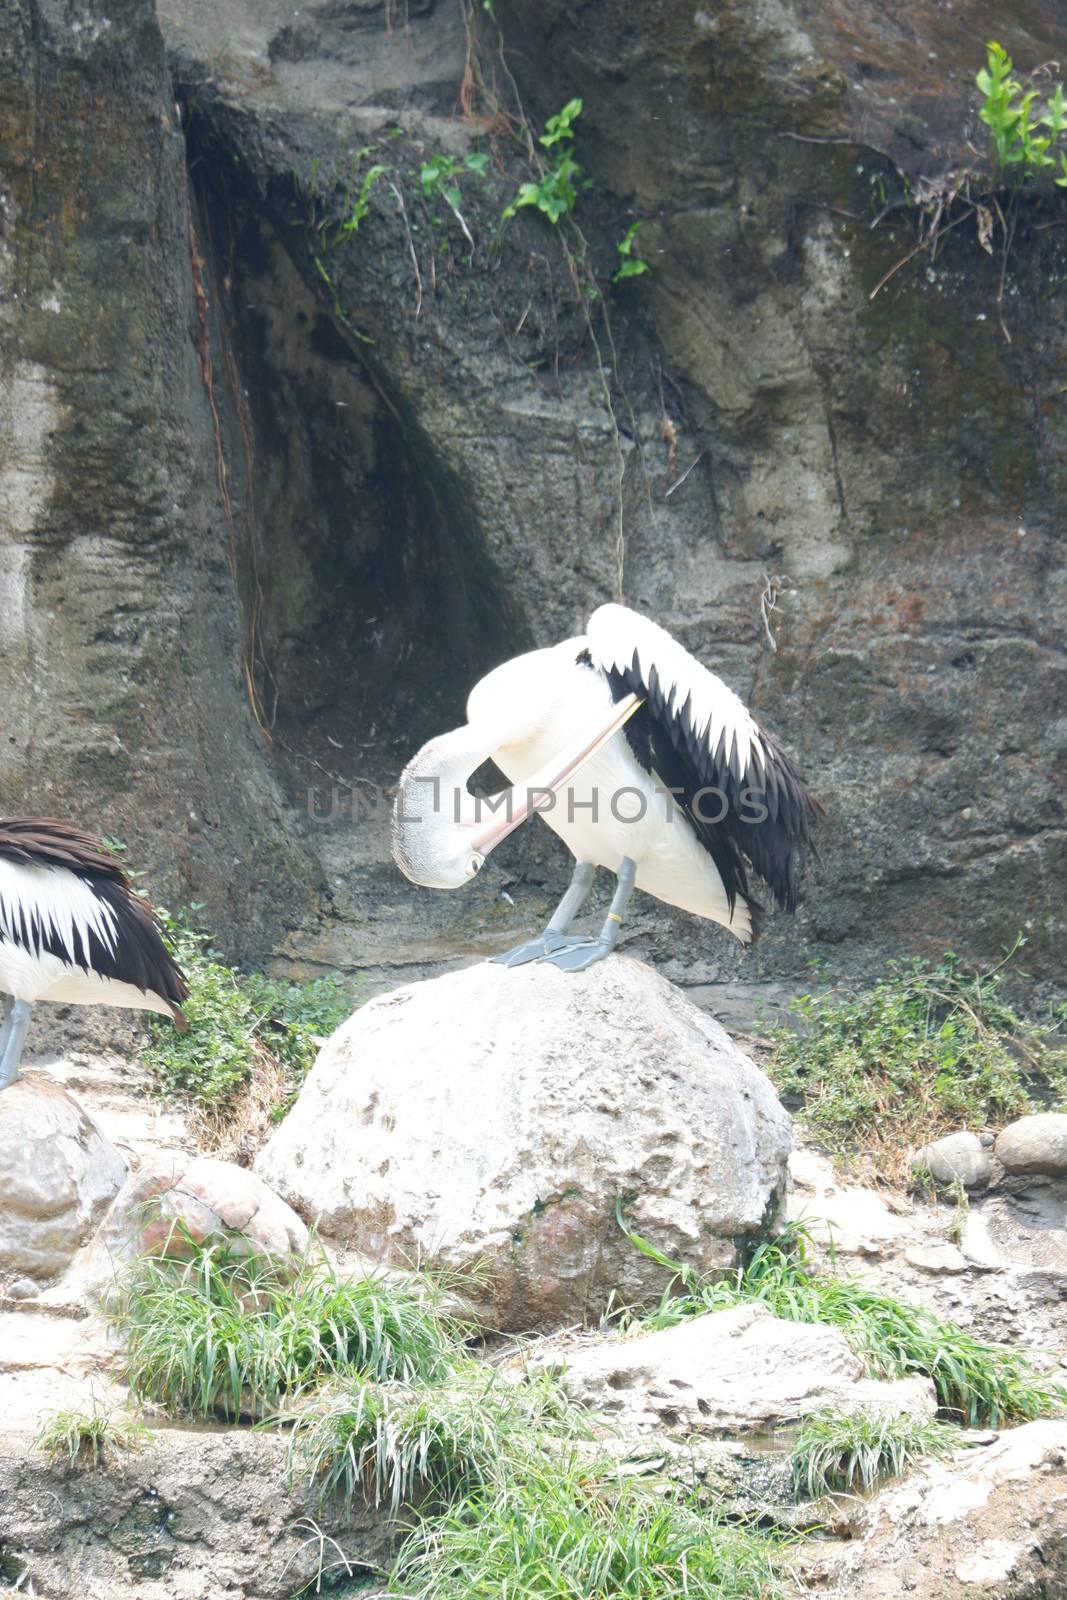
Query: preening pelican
(641, 760)
(73, 931)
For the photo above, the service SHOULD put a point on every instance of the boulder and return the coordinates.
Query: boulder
(57, 1174)
(1035, 1144)
(957, 1158)
(174, 1200)
(497, 1116)
(736, 1371)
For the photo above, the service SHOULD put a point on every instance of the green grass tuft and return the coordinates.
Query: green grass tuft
(838, 1454)
(88, 1437)
(570, 1529)
(223, 1334)
(402, 1444)
(977, 1383)
(240, 1026)
(927, 1051)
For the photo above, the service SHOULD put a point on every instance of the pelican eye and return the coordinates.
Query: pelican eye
(475, 862)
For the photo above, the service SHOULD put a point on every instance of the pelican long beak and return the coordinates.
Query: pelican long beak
(536, 793)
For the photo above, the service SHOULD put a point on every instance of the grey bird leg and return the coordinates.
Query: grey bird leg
(6, 1003)
(555, 935)
(15, 1025)
(579, 954)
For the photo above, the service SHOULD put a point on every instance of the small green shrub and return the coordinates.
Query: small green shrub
(400, 1444)
(223, 1334)
(240, 1025)
(837, 1454)
(441, 174)
(978, 1383)
(926, 1051)
(568, 1528)
(361, 202)
(1024, 132)
(555, 194)
(88, 1437)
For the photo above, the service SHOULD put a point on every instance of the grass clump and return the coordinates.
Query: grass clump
(223, 1334)
(88, 1437)
(978, 1383)
(251, 1041)
(565, 1530)
(1025, 128)
(926, 1051)
(838, 1454)
(399, 1443)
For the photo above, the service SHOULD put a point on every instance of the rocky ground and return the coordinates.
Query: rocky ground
(202, 1512)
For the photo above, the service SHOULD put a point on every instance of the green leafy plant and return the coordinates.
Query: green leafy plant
(88, 1437)
(555, 193)
(630, 265)
(926, 1051)
(977, 1383)
(242, 1028)
(1023, 131)
(839, 1454)
(361, 203)
(440, 175)
(223, 1333)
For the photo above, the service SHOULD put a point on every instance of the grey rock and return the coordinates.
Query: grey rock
(958, 1157)
(1035, 1144)
(57, 1175)
(22, 1289)
(172, 1201)
(496, 1116)
(736, 1371)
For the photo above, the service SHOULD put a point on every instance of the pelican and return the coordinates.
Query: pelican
(639, 758)
(73, 931)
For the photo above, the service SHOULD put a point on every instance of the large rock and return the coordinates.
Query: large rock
(57, 1174)
(1035, 1144)
(175, 1201)
(736, 1371)
(956, 1158)
(496, 1117)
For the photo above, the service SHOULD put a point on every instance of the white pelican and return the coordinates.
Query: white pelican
(73, 931)
(641, 760)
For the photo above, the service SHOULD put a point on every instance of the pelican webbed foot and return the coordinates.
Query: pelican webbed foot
(533, 950)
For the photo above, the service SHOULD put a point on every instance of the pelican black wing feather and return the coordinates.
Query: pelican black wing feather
(745, 799)
(138, 956)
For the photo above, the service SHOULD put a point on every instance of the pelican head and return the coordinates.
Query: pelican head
(434, 816)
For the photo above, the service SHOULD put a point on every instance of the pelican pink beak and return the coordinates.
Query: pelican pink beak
(536, 793)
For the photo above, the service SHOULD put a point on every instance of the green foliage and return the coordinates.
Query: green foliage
(836, 1454)
(567, 1528)
(238, 1024)
(440, 175)
(977, 1383)
(1023, 132)
(555, 193)
(87, 1437)
(630, 265)
(924, 1052)
(399, 1444)
(218, 1333)
(361, 203)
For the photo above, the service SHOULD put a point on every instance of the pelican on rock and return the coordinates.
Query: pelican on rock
(73, 931)
(641, 760)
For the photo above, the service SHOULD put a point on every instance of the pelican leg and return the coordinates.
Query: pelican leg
(6, 1003)
(14, 1031)
(555, 935)
(578, 954)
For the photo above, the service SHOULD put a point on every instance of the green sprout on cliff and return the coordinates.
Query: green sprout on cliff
(1024, 132)
(555, 194)
(630, 264)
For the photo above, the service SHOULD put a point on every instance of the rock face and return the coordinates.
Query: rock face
(737, 1371)
(57, 1175)
(989, 1524)
(497, 1116)
(1035, 1144)
(169, 1202)
(191, 1515)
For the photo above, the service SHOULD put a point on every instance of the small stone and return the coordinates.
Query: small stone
(1035, 1144)
(175, 1201)
(937, 1258)
(992, 1562)
(23, 1289)
(957, 1158)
